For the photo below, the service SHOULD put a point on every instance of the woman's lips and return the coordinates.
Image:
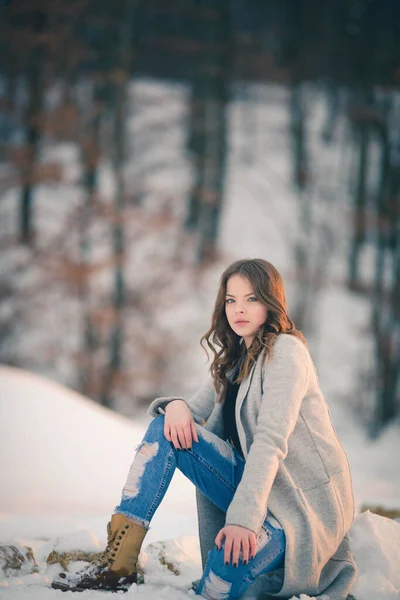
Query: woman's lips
(241, 322)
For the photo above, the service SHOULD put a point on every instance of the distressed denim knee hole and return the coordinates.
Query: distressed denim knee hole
(145, 452)
(219, 444)
(216, 588)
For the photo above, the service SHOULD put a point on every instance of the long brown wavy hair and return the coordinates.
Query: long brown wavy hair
(269, 289)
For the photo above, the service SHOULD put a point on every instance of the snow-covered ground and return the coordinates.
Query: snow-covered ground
(64, 459)
(63, 462)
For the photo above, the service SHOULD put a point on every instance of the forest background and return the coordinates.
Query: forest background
(130, 131)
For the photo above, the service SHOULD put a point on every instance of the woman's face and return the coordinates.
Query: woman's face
(242, 304)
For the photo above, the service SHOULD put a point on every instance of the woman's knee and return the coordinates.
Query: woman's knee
(221, 580)
(156, 427)
(217, 564)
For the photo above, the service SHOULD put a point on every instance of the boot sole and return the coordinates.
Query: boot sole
(64, 587)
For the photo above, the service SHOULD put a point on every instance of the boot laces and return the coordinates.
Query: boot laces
(106, 558)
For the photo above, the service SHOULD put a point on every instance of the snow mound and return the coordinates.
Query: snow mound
(82, 539)
(59, 450)
(174, 562)
(375, 542)
(64, 455)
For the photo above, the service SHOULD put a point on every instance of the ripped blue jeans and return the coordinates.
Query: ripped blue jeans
(215, 467)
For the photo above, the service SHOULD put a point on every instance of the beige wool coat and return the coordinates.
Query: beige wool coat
(295, 467)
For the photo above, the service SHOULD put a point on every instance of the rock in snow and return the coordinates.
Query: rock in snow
(17, 559)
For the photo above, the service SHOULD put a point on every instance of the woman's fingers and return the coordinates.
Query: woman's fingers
(187, 432)
(253, 546)
(237, 540)
(179, 427)
(194, 431)
(174, 438)
(228, 548)
(181, 436)
(245, 549)
(236, 550)
(218, 539)
(185, 435)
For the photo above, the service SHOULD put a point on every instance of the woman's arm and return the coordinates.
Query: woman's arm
(285, 383)
(201, 403)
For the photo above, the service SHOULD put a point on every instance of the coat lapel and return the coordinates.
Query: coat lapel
(244, 386)
(243, 389)
(242, 393)
(215, 423)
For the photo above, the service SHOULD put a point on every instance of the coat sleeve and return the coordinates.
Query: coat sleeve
(285, 377)
(201, 403)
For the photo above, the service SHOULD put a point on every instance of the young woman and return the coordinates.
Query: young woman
(273, 486)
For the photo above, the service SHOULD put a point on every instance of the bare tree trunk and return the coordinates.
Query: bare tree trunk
(382, 314)
(303, 246)
(297, 52)
(207, 140)
(121, 76)
(86, 366)
(389, 397)
(248, 123)
(395, 298)
(9, 108)
(90, 153)
(216, 135)
(35, 79)
(197, 148)
(333, 105)
(359, 220)
(298, 128)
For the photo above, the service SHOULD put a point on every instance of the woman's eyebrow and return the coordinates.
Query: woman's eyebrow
(251, 293)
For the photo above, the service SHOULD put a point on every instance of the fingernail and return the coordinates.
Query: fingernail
(190, 448)
(234, 564)
(245, 562)
(178, 449)
(227, 564)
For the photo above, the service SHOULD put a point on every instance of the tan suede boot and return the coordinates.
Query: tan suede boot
(116, 568)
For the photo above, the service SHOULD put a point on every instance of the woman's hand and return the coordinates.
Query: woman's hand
(179, 425)
(237, 538)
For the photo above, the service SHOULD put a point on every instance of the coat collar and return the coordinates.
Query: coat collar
(244, 387)
(245, 384)
(215, 423)
(242, 354)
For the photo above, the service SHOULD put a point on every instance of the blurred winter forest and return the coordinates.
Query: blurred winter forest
(123, 125)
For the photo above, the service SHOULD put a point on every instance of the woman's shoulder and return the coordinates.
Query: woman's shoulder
(289, 356)
(287, 349)
(286, 342)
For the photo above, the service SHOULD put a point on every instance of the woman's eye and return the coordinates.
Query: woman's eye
(251, 298)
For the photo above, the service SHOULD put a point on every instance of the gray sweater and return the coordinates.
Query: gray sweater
(295, 467)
